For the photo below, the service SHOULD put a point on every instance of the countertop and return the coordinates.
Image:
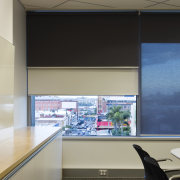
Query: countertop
(17, 145)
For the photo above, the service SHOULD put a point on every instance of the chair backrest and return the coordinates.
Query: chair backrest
(142, 154)
(155, 172)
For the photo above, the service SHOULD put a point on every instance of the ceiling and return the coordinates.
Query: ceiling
(101, 4)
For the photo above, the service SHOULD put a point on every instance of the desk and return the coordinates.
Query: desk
(176, 152)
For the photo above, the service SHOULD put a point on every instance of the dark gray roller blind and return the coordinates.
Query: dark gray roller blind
(82, 39)
(160, 88)
(160, 64)
(160, 27)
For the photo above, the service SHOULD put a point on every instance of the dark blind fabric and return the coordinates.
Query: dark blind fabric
(160, 27)
(160, 88)
(82, 39)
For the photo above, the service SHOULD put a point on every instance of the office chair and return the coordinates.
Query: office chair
(155, 172)
(142, 154)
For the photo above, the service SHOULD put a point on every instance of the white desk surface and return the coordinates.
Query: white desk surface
(176, 152)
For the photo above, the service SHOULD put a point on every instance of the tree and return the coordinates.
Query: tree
(118, 117)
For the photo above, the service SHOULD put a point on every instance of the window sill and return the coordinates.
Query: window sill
(103, 138)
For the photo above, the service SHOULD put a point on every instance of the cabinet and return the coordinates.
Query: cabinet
(38, 158)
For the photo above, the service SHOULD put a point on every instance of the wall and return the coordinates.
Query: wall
(20, 74)
(13, 94)
(118, 154)
(6, 19)
(6, 64)
(6, 83)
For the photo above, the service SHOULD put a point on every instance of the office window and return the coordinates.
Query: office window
(160, 88)
(87, 115)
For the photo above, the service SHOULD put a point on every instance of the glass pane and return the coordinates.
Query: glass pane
(88, 115)
(160, 86)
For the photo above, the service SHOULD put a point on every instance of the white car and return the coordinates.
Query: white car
(93, 133)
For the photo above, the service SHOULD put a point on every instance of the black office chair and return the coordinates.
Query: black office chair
(142, 154)
(155, 172)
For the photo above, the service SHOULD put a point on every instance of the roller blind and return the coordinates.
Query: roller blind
(85, 81)
(160, 27)
(82, 39)
(160, 107)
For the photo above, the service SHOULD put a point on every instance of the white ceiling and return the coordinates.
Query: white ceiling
(101, 4)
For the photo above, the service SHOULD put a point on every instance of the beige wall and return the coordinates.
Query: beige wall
(115, 154)
(13, 79)
(6, 19)
(6, 64)
(20, 73)
(6, 83)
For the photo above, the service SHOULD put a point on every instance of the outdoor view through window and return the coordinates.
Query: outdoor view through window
(88, 115)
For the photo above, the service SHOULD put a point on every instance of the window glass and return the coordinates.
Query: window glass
(88, 115)
(160, 88)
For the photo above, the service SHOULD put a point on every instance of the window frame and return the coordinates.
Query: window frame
(139, 136)
(31, 121)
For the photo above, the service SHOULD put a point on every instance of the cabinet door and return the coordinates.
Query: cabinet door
(45, 165)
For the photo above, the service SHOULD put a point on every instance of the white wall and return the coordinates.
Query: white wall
(6, 19)
(115, 154)
(13, 29)
(20, 73)
(6, 64)
(6, 83)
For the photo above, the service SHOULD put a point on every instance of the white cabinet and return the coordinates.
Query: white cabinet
(45, 165)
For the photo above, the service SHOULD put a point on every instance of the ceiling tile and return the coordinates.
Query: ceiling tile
(79, 5)
(157, 1)
(100, 4)
(174, 2)
(121, 4)
(27, 7)
(41, 3)
(163, 6)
